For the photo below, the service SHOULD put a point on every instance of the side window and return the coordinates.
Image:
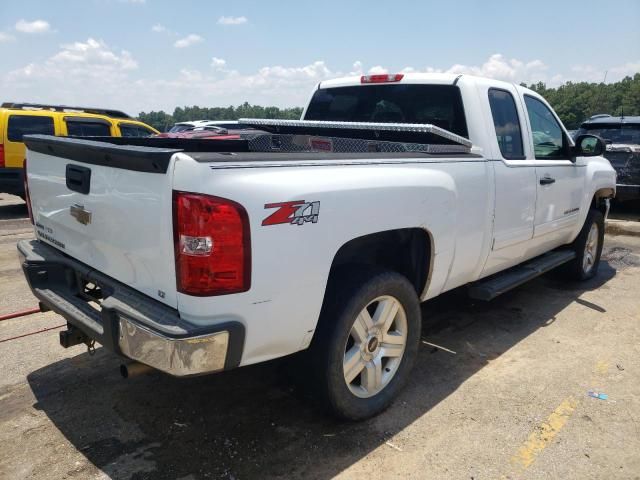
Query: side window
(548, 138)
(78, 128)
(20, 125)
(132, 130)
(507, 124)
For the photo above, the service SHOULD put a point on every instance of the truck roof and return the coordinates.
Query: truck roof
(417, 78)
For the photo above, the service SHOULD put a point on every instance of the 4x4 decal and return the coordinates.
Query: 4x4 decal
(296, 212)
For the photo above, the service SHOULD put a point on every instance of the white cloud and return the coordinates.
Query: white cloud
(501, 68)
(37, 26)
(589, 73)
(377, 69)
(92, 72)
(496, 66)
(5, 37)
(92, 54)
(232, 20)
(356, 68)
(189, 40)
(163, 30)
(218, 62)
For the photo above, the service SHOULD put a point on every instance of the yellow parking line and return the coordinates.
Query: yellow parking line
(601, 367)
(542, 436)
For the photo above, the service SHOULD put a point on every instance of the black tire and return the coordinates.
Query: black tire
(350, 290)
(576, 269)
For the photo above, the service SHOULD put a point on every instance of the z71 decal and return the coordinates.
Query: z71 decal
(296, 212)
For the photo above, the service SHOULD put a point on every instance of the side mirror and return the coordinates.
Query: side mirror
(588, 146)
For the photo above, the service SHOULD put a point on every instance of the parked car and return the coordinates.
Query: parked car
(18, 119)
(622, 136)
(203, 132)
(321, 236)
(229, 125)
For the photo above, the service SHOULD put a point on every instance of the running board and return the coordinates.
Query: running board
(490, 287)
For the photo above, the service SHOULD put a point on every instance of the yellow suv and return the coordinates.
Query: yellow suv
(18, 119)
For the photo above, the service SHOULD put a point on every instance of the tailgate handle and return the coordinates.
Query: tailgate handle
(78, 178)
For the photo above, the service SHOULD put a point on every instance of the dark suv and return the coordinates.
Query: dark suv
(622, 136)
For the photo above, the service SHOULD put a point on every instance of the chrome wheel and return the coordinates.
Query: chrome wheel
(375, 346)
(590, 249)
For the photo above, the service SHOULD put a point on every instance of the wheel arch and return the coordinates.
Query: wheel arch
(598, 200)
(407, 251)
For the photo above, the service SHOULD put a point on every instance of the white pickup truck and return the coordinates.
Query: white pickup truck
(323, 234)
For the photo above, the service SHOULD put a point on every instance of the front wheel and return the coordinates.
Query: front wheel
(367, 341)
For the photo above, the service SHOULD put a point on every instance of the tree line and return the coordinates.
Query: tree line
(163, 121)
(576, 102)
(573, 101)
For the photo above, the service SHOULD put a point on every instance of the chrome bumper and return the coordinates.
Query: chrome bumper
(175, 356)
(126, 321)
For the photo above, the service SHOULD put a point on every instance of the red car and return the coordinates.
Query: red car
(209, 132)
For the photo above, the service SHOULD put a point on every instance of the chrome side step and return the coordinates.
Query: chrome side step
(490, 287)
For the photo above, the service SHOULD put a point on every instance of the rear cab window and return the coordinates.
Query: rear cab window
(20, 125)
(506, 123)
(439, 105)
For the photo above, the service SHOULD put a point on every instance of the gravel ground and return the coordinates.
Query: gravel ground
(503, 394)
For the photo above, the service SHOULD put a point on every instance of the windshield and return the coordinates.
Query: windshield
(629, 134)
(180, 128)
(439, 105)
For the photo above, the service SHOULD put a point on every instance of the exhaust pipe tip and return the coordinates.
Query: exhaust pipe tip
(134, 369)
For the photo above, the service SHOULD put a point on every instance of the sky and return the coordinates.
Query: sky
(143, 55)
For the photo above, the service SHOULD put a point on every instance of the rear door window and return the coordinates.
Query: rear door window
(20, 125)
(439, 105)
(507, 124)
(88, 127)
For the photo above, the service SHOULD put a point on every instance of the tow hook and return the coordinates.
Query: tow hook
(73, 336)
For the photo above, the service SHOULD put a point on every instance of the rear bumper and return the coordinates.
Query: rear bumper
(126, 321)
(11, 181)
(627, 192)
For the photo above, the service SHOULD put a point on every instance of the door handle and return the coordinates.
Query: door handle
(547, 181)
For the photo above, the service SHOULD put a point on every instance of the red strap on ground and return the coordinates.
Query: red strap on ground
(19, 314)
(32, 333)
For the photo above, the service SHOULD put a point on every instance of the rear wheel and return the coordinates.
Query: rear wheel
(367, 341)
(588, 248)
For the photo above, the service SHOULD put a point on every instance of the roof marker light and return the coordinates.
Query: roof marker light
(382, 78)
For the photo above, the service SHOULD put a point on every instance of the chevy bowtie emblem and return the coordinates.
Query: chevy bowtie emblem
(80, 214)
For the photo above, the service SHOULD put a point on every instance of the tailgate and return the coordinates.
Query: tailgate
(107, 206)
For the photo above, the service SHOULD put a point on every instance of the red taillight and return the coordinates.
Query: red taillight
(212, 245)
(382, 78)
(27, 197)
(2, 165)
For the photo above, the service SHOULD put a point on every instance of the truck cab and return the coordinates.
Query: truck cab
(542, 189)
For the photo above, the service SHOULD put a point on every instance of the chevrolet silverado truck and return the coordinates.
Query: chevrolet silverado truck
(321, 235)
